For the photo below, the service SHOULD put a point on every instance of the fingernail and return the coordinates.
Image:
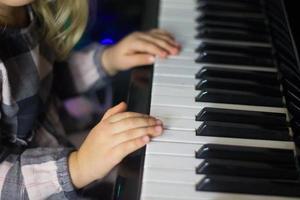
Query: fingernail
(146, 139)
(158, 129)
(174, 51)
(158, 122)
(164, 54)
(151, 59)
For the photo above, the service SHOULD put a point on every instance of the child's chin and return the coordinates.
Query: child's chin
(15, 3)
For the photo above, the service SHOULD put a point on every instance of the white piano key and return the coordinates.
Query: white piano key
(175, 81)
(171, 175)
(171, 162)
(184, 63)
(176, 72)
(165, 111)
(172, 149)
(186, 54)
(186, 14)
(186, 102)
(172, 123)
(177, 191)
(191, 138)
(160, 88)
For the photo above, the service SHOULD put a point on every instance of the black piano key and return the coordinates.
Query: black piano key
(245, 131)
(237, 97)
(239, 85)
(287, 61)
(248, 29)
(290, 72)
(231, 25)
(243, 2)
(291, 86)
(270, 78)
(229, 8)
(233, 184)
(264, 52)
(293, 98)
(233, 3)
(285, 51)
(260, 23)
(229, 58)
(231, 35)
(294, 109)
(230, 12)
(281, 34)
(295, 124)
(280, 157)
(240, 116)
(245, 169)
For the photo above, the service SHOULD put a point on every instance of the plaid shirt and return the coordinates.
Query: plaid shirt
(33, 159)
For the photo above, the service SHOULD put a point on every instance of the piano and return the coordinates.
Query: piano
(230, 103)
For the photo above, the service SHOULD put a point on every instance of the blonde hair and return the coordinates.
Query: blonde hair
(63, 23)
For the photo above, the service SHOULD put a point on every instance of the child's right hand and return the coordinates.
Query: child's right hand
(118, 134)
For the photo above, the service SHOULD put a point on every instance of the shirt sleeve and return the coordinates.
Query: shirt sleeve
(30, 173)
(82, 72)
(40, 173)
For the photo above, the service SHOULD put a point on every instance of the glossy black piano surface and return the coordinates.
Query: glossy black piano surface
(130, 171)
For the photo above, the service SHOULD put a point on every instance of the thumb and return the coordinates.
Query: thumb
(121, 107)
(139, 60)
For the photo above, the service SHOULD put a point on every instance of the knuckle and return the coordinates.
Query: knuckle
(137, 33)
(127, 114)
(128, 135)
(164, 43)
(150, 121)
(136, 144)
(144, 131)
(117, 155)
(155, 48)
(131, 122)
(150, 130)
(127, 148)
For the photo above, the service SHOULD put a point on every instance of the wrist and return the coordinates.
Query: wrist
(75, 171)
(106, 64)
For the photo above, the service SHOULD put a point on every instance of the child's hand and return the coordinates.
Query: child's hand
(117, 135)
(139, 49)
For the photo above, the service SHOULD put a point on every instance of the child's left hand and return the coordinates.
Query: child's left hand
(137, 49)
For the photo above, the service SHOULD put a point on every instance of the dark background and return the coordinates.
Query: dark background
(111, 21)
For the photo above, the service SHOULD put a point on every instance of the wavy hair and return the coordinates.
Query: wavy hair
(63, 23)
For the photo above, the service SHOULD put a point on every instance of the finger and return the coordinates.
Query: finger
(124, 149)
(162, 43)
(153, 131)
(142, 45)
(121, 107)
(163, 32)
(133, 123)
(124, 115)
(168, 39)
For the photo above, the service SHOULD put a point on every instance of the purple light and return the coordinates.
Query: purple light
(107, 41)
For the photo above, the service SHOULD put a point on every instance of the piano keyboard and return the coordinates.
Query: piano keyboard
(227, 133)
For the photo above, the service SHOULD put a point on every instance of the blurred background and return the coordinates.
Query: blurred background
(110, 21)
